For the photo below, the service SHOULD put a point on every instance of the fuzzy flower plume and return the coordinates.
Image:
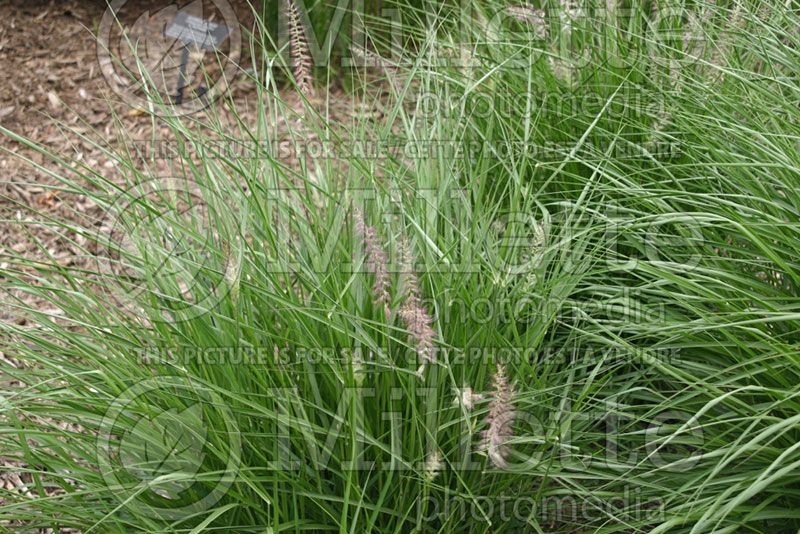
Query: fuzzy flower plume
(500, 419)
(433, 465)
(301, 57)
(412, 312)
(376, 261)
(466, 398)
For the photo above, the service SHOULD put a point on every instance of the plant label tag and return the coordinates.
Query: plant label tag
(191, 30)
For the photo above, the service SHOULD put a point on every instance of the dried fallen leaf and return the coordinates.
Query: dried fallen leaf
(48, 199)
(55, 103)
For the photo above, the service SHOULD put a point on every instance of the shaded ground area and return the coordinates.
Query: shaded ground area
(54, 94)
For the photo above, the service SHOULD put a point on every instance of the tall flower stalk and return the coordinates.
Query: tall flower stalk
(500, 420)
(376, 261)
(301, 57)
(412, 312)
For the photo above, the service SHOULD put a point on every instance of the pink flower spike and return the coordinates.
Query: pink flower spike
(500, 420)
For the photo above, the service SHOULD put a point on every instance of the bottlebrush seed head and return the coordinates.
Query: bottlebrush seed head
(301, 57)
(376, 260)
(412, 311)
(500, 420)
